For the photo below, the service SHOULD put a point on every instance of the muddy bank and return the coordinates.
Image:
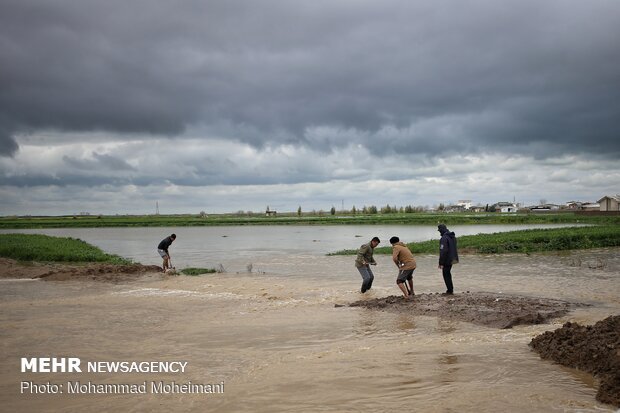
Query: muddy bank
(64, 272)
(594, 349)
(488, 309)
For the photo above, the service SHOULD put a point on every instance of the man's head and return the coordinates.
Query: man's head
(442, 228)
(394, 240)
(173, 237)
(374, 242)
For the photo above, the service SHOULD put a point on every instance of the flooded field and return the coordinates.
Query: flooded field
(274, 337)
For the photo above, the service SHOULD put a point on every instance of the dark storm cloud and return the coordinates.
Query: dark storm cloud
(99, 162)
(540, 78)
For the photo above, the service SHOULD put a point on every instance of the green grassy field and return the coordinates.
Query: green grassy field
(292, 219)
(43, 248)
(525, 241)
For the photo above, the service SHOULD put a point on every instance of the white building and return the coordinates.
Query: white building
(506, 207)
(610, 203)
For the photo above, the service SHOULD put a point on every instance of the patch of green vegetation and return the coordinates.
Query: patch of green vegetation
(419, 218)
(524, 241)
(197, 271)
(44, 248)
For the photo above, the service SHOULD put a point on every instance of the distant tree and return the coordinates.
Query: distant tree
(441, 207)
(202, 214)
(401, 210)
(299, 211)
(364, 210)
(386, 209)
(543, 201)
(333, 210)
(353, 210)
(372, 209)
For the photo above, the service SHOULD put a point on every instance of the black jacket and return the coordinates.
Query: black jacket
(165, 243)
(448, 253)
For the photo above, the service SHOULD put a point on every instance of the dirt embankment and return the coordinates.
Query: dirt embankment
(63, 272)
(488, 309)
(594, 349)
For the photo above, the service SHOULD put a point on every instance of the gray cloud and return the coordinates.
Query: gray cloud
(104, 162)
(538, 78)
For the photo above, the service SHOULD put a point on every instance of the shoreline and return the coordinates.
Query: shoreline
(13, 269)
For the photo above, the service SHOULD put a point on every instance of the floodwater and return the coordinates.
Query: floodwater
(274, 337)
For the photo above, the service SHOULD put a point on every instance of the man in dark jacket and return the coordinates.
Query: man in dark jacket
(364, 260)
(162, 249)
(448, 255)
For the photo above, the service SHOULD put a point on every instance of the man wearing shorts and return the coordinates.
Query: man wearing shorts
(403, 258)
(162, 249)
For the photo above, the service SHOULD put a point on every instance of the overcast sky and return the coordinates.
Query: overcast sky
(111, 106)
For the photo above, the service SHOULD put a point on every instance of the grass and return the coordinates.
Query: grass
(525, 241)
(95, 221)
(197, 271)
(44, 248)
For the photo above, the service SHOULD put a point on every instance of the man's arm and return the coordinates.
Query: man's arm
(395, 257)
(443, 251)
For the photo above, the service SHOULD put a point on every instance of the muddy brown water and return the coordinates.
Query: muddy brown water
(276, 340)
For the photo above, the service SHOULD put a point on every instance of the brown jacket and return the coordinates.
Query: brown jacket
(402, 257)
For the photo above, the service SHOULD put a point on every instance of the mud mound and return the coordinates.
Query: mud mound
(488, 309)
(63, 272)
(594, 349)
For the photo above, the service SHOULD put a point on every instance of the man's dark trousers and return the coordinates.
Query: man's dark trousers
(447, 278)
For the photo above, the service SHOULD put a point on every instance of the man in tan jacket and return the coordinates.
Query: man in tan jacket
(403, 258)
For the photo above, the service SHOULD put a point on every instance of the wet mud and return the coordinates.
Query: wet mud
(488, 309)
(66, 272)
(594, 349)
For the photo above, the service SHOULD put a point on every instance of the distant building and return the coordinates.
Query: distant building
(545, 208)
(505, 207)
(465, 204)
(609, 203)
(270, 212)
(590, 206)
(454, 208)
(582, 206)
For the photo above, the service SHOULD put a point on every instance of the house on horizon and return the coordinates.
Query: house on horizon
(505, 207)
(609, 203)
(590, 206)
(270, 212)
(545, 208)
